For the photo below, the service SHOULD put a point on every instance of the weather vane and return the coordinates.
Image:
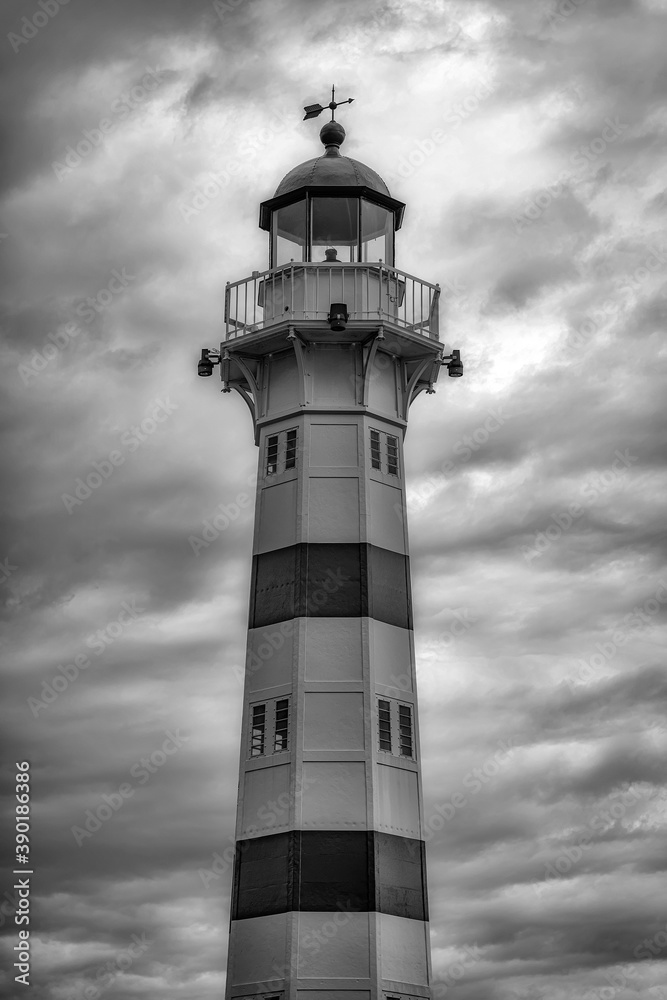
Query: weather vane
(313, 110)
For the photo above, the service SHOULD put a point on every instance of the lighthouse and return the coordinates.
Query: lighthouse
(329, 347)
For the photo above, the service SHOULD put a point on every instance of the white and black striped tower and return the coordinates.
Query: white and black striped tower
(329, 347)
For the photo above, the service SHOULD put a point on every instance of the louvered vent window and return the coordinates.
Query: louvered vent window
(290, 450)
(392, 455)
(258, 730)
(269, 727)
(282, 725)
(281, 451)
(272, 455)
(395, 728)
(405, 730)
(384, 722)
(375, 450)
(384, 452)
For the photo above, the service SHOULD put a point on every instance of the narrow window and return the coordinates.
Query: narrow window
(258, 730)
(282, 724)
(384, 719)
(272, 455)
(392, 455)
(405, 730)
(375, 450)
(290, 451)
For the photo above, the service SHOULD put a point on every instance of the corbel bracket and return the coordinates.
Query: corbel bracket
(368, 365)
(298, 346)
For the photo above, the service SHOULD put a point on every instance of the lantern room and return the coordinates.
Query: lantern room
(331, 208)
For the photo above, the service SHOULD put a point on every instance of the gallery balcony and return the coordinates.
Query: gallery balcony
(304, 292)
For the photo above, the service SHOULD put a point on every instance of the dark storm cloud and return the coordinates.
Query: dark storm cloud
(526, 282)
(76, 38)
(91, 38)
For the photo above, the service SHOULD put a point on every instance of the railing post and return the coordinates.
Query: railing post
(434, 324)
(227, 310)
(380, 291)
(255, 276)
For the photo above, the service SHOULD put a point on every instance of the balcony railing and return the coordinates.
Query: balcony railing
(306, 291)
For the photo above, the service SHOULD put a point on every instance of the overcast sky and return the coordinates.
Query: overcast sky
(141, 137)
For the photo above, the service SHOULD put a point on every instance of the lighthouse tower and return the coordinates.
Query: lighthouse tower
(329, 347)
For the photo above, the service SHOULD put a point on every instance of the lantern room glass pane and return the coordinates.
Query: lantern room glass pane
(335, 225)
(289, 233)
(377, 232)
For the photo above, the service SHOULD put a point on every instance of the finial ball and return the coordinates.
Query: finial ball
(332, 134)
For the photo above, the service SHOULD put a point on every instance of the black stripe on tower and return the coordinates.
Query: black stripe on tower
(339, 580)
(325, 870)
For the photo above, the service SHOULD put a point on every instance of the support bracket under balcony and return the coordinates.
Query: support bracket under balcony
(416, 383)
(246, 396)
(250, 394)
(367, 364)
(298, 346)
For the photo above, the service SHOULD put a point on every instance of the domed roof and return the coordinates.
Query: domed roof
(331, 168)
(325, 170)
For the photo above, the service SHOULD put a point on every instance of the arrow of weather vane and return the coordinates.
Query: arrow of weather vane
(313, 110)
